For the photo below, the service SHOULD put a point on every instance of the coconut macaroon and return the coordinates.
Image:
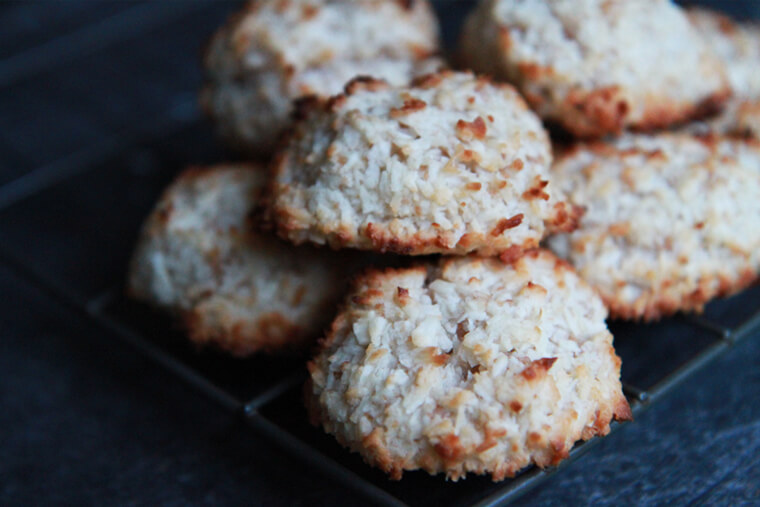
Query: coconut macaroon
(275, 51)
(452, 164)
(596, 67)
(470, 366)
(671, 220)
(241, 291)
(737, 45)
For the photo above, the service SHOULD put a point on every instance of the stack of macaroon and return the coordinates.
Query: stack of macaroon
(489, 351)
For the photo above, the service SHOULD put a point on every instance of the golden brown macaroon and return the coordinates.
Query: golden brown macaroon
(466, 366)
(451, 164)
(597, 67)
(737, 44)
(672, 220)
(275, 51)
(199, 258)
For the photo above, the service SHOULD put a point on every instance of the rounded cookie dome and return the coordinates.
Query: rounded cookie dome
(199, 258)
(597, 67)
(275, 51)
(671, 220)
(451, 164)
(470, 366)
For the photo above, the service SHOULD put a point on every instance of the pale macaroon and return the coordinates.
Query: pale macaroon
(470, 365)
(451, 164)
(275, 51)
(199, 258)
(672, 221)
(597, 67)
(737, 44)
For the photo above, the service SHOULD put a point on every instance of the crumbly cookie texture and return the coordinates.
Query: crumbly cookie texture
(746, 122)
(452, 164)
(671, 220)
(597, 67)
(199, 258)
(737, 45)
(275, 51)
(740, 118)
(470, 366)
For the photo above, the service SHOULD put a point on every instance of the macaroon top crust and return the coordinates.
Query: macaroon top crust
(597, 67)
(451, 164)
(468, 366)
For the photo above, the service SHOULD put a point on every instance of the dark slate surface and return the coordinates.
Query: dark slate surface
(97, 112)
(87, 422)
(700, 445)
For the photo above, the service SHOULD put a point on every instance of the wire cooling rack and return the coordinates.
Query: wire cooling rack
(266, 392)
(100, 207)
(68, 224)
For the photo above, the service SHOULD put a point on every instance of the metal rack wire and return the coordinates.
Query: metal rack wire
(266, 393)
(275, 411)
(66, 196)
